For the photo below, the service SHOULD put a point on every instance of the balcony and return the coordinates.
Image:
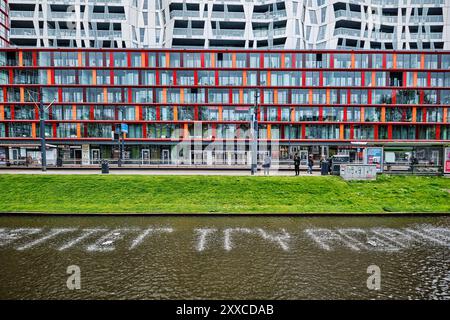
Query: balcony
(22, 32)
(347, 14)
(264, 33)
(386, 2)
(347, 32)
(379, 35)
(62, 15)
(21, 14)
(227, 15)
(273, 15)
(427, 19)
(184, 14)
(108, 16)
(188, 33)
(424, 36)
(228, 33)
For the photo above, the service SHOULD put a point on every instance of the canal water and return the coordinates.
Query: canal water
(232, 257)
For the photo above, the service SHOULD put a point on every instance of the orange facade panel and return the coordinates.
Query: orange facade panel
(175, 113)
(33, 130)
(78, 130)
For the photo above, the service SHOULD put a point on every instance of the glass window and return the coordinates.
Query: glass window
(66, 130)
(20, 130)
(209, 113)
(353, 114)
(306, 114)
(127, 113)
(342, 60)
(162, 131)
(97, 130)
(83, 112)
(372, 114)
(399, 114)
(62, 112)
(24, 113)
(333, 114)
(134, 131)
(186, 113)
(254, 60)
(104, 113)
(120, 59)
(96, 59)
(149, 113)
(403, 132)
(192, 60)
(136, 58)
(166, 113)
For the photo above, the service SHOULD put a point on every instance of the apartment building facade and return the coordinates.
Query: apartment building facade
(314, 102)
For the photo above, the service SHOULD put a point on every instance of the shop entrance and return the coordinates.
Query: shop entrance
(165, 156)
(303, 157)
(75, 155)
(145, 156)
(95, 156)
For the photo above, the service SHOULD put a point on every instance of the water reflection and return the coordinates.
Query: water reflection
(225, 257)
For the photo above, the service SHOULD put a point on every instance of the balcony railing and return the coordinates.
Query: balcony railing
(228, 33)
(347, 14)
(228, 15)
(108, 16)
(269, 15)
(21, 14)
(379, 35)
(433, 35)
(184, 14)
(347, 32)
(188, 32)
(427, 19)
(23, 32)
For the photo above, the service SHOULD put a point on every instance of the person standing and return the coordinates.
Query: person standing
(297, 164)
(266, 165)
(310, 164)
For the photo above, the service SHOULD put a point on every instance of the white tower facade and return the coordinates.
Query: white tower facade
(288, 24)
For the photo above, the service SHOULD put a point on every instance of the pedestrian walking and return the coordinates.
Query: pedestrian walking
(310, 164)
(297, 164)
(266, 164)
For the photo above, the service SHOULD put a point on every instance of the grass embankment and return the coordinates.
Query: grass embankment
(220, 194)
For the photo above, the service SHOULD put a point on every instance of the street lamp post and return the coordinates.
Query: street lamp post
(254, 131)
(42, 110)
(121, 137)
(292, 118)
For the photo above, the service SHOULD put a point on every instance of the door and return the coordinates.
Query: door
(15, 156)
(95, 156)
(165, 156)
(435, 157)
(145, 156)
(77, 156)
(304, 157)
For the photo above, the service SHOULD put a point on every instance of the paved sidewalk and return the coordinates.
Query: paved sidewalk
(156, 172)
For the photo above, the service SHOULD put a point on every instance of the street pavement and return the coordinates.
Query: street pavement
(116, 171)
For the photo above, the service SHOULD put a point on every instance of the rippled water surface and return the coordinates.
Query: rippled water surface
(225, 257)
